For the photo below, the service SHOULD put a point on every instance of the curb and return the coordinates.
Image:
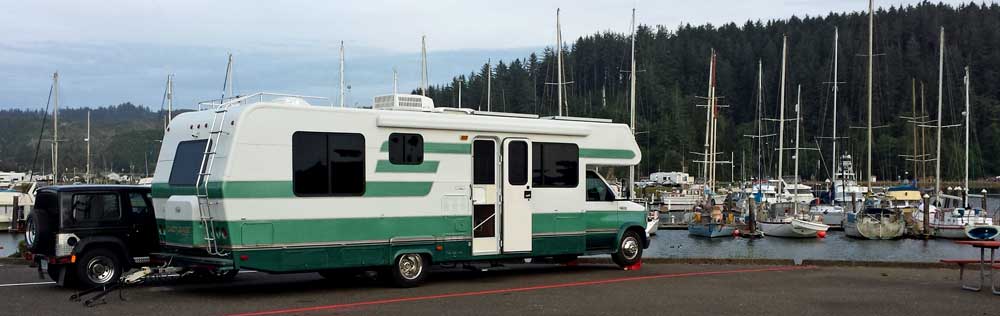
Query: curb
(12, 261)
(785, 262)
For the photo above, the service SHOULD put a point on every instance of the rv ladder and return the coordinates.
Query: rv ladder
(201, 185)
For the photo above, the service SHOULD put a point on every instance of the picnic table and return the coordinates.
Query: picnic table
(983, 263)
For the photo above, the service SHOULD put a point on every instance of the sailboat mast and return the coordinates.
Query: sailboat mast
(706, 172)
(781, 119)
(760, 125)
(423, 65)
(489, 84)
(342, 86)
(833, 151)
(798, 117)
(937, 157)
(968, 114)
(871, 61)
(559, 64)
(631, 168)
(714, 123)
(55, 128)
(170, 99)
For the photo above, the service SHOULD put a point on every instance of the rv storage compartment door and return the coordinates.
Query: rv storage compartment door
(182, 225)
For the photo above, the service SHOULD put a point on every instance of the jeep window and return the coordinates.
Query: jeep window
(138, 201)
(96, 207)
(187, 162)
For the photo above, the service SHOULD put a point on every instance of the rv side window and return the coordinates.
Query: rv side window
(555, 165)
(517, 160)
(187, 162)
(484, 162)
(406, 149)
(328, 164)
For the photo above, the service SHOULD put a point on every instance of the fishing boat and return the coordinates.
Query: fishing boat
(846, 191)
(831, 215)
(715, 224)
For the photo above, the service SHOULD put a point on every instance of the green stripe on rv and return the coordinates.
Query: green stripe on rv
(304, 232)
(283, 189)
(438, 148)
(606, 153)
(389, 167)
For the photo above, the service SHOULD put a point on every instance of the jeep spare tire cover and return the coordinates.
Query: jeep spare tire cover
(38, 234)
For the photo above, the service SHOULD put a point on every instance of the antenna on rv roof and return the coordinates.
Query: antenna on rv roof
(489, 83)
(395, 87)
(227, 84)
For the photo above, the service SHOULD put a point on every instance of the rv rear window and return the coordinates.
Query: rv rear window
(187, 162)
(406, 149)
(555, 165)
(328, 164)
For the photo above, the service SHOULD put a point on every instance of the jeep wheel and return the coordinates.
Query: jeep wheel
(99, 267)
(38, 235)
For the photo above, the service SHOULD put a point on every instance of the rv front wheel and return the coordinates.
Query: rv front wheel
(409, 270)
(629, 250)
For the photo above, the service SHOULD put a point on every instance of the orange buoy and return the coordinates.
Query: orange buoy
(821, 234)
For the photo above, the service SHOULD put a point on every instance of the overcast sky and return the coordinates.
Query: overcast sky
(112, 51)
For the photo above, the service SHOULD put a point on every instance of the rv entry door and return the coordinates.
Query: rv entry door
(516, 196)
(485, 197)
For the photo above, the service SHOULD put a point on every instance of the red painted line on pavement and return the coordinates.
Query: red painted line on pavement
(518, 289)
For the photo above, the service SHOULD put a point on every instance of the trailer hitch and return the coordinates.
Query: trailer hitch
(132, 278)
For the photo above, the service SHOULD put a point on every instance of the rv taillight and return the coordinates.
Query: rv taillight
(244, 257)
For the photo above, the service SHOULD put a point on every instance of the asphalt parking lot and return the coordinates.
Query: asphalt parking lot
(587, 289)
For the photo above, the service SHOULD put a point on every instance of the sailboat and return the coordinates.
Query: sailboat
(956, 220)
(875, 221)
(784, 219)
(713, 224)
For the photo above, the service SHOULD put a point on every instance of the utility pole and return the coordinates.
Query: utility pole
(55, 128)
(559, 66)
(342, 86)
(87, 140)
(423, 65)
(631, 168)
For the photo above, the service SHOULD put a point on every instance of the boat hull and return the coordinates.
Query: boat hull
(710, 230)
(949, 232)
(982, 232)
(793, 229)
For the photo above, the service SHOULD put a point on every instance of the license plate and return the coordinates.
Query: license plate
(45, 264)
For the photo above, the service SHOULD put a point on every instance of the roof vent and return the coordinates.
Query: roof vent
(403, 102)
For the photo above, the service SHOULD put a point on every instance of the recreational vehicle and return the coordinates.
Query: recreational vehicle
(271, 183)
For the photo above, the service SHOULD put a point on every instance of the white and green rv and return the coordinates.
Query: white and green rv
(272, 183)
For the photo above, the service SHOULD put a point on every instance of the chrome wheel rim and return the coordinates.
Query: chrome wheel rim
(100, 270)
(630, 247)
(30, 233)
(411, 266)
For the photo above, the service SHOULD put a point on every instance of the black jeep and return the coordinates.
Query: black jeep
(89, 235)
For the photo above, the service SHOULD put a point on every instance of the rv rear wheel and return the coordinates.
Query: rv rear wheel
(629, 250)
(410, 270)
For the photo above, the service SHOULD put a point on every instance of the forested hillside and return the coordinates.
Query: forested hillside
(673, 64)
(122, 137)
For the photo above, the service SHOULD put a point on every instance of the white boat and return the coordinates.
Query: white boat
(792, 228)
(831, 215)
(955, 223)
(846, 191)
(652, 222)
(10, 216)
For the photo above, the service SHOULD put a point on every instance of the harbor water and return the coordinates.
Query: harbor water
(8, 243)
(836, 246)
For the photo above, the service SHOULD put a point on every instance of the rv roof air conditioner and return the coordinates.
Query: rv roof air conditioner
(403, 102)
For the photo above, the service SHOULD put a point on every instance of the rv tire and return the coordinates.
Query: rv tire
(629, 249)
(409, 269)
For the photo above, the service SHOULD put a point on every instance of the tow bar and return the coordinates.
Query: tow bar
(135, 276)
